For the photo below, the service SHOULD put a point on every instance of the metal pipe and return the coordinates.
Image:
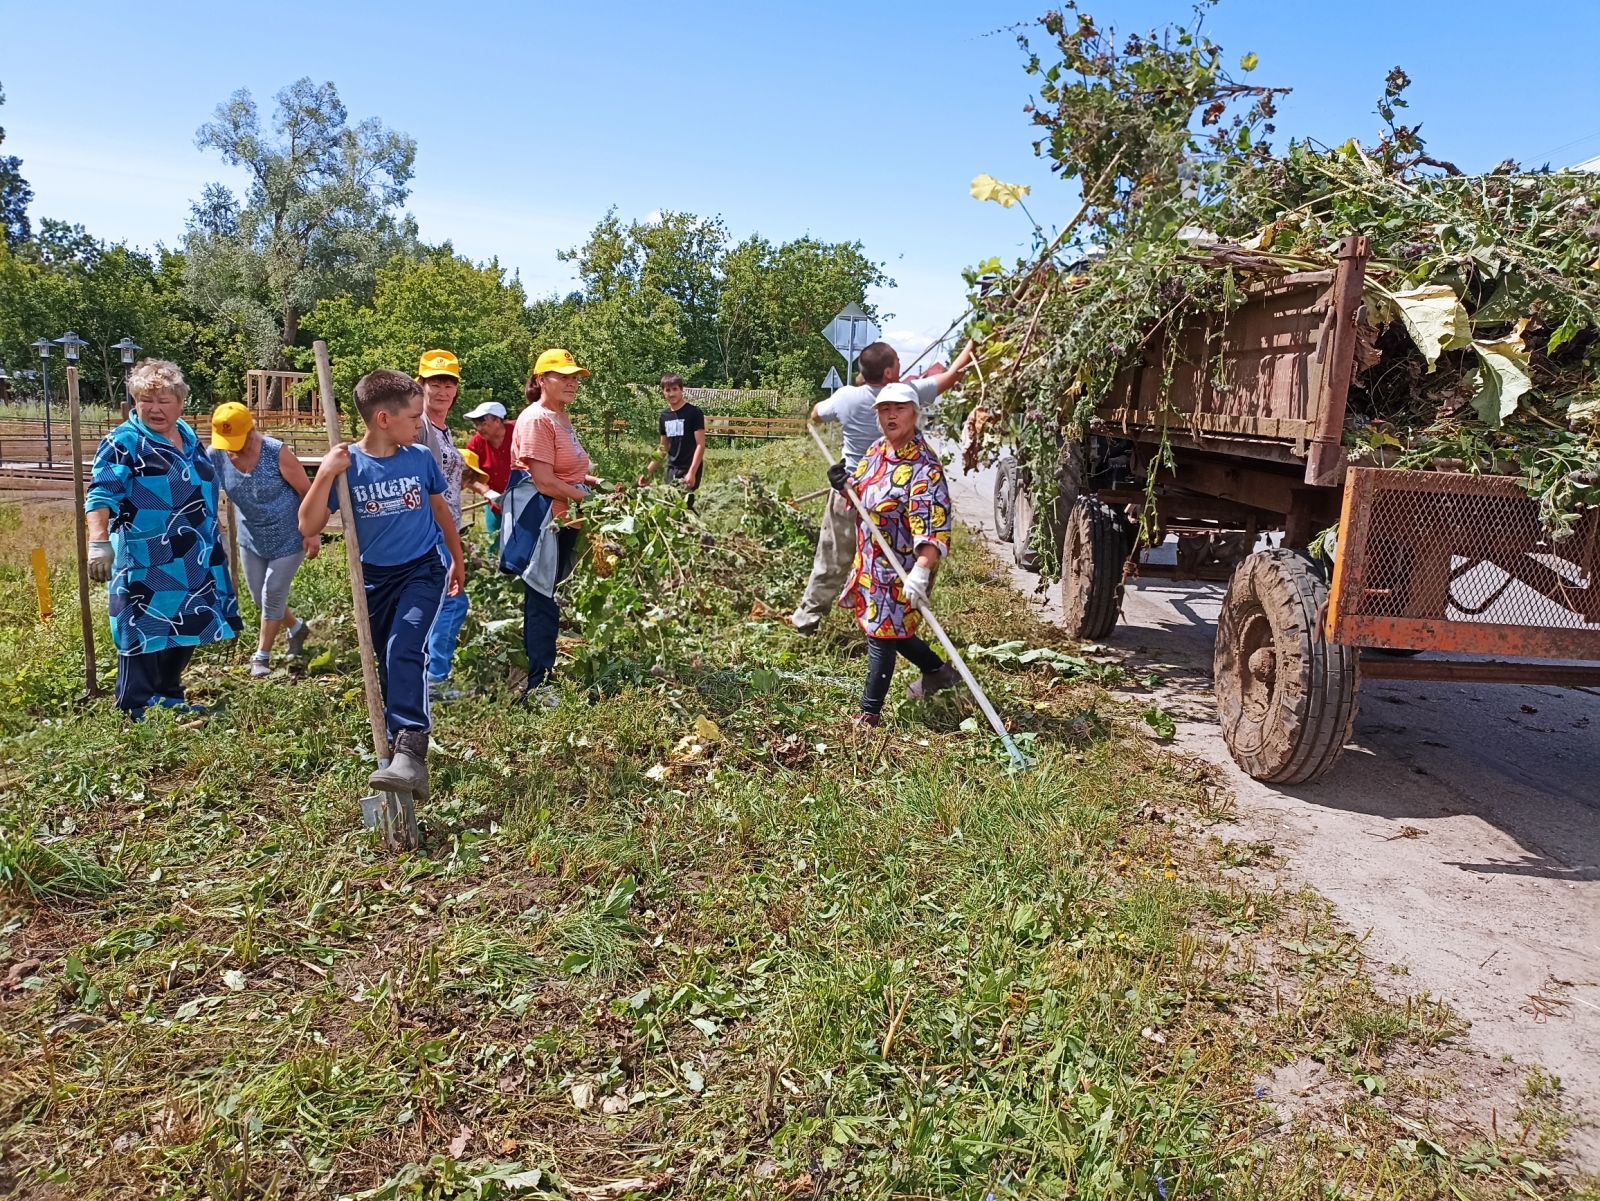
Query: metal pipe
(1018, 759)
(1481, 671)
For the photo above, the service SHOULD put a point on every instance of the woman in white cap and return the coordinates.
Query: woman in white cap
(491, 443)
(902, 485)
(265, 482)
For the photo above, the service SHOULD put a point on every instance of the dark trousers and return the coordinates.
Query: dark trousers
(880, 666)
(153, 677)
(541, 615)
(402, 602)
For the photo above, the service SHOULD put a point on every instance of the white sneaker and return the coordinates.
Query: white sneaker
(295, 639)
(260, 665)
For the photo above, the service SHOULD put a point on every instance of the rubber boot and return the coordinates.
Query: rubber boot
(408, 769)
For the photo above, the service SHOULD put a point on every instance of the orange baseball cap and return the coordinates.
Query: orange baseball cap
(230, 426)
(559, 361)
(439, 362)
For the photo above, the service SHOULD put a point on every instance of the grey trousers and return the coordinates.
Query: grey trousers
(836, 551)
(269, 580)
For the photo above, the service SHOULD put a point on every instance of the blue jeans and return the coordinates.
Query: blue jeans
(446, 632)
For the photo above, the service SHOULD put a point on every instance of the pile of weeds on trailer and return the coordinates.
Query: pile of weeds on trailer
(1481, 319)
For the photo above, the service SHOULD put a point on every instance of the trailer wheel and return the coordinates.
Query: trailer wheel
(1091, 568)
(1005, 491)
(1285, 695)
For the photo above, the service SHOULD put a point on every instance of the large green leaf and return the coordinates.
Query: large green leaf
(1503, 378)
(1432, 314)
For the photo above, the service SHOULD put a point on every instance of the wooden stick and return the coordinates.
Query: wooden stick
(81, 532)
(796, 501)
(399, 830)
(1018, 759)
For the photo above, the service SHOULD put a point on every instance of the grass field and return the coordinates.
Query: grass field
(685, 935)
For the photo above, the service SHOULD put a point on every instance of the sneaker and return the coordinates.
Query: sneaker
(440, 691)
(260, 665)
(295, 640)
(934, 681)
(866, 721)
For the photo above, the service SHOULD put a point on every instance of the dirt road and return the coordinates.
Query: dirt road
(1460, 831)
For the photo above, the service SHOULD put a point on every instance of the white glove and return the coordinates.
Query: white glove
(918, 584)
(101, 559)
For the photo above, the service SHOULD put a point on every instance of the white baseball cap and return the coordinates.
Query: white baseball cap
(489, 408)
(897, 394)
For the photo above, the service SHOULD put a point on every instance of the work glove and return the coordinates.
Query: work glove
(101, 559)
(838, 476)
(918, 584)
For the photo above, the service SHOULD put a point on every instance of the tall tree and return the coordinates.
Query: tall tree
(15, 195)
(440, 300)
(318, 218)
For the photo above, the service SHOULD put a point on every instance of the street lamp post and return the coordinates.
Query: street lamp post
(43, 347)
(127, 348)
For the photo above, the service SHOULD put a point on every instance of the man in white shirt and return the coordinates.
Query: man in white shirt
(853, 409)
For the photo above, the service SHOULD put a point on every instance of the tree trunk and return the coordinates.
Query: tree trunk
(291, 333)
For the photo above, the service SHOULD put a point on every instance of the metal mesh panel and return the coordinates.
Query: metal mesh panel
(1440, 561)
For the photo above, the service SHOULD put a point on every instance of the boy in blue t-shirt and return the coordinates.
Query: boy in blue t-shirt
(404, 528)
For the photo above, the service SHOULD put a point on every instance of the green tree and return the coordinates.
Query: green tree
(317, 219)
(441, 300)
(15, 194)
(775, 303)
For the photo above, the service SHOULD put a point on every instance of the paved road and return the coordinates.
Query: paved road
(1460, 830)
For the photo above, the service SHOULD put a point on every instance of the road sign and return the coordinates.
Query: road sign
(833, 382)
(850, 332)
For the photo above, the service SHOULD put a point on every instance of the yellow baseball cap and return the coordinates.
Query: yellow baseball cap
(559, 361)
(470, 458)
(439, 362)
(230, 426)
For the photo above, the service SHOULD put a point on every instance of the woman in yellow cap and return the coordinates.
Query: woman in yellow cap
(265, 482)
(546, 447)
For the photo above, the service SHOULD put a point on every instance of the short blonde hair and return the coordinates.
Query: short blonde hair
(150, 376)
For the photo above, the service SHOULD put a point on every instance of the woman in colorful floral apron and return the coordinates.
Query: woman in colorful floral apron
(901, 482)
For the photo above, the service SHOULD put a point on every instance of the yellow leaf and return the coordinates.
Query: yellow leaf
(1249, 61)
(707, 730)
(987, 187)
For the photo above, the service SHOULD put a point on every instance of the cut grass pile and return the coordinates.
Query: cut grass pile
(693, 937)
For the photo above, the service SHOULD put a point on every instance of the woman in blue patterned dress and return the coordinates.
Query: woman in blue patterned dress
(152, 517)
(901, 483)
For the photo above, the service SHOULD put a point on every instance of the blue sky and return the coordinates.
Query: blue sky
(846, 121)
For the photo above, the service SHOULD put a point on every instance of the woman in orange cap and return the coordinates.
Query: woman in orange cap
(265, 482)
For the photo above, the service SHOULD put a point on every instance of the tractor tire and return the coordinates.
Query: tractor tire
(1092, 555)
(1286, 696)
(1005, 491)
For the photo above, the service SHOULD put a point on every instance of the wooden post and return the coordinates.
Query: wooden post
(398, 812)
(1336, 349)
(81, 530)
(230, 522)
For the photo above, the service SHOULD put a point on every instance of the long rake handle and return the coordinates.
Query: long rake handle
(352, 550)
(1018, 759)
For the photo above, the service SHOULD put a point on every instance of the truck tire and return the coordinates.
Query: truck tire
(1023, 552)
(1005, 491)
(1286, 696)
(1092, 555)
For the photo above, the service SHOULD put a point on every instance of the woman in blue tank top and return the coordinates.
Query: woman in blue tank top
(265, 482)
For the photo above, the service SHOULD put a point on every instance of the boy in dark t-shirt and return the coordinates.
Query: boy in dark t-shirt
(683, 438)
(410, 556)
